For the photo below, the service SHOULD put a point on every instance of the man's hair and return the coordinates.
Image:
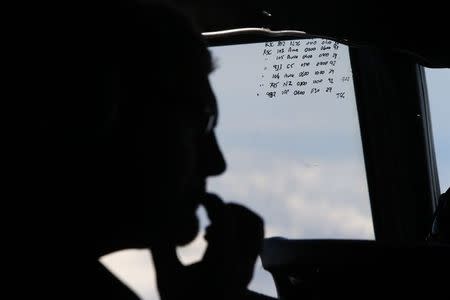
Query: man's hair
(97, 68)
(97, 62)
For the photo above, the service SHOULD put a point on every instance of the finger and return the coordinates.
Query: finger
(214, 207)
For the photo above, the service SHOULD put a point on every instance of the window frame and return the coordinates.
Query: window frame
(403, 189)
(258, 35)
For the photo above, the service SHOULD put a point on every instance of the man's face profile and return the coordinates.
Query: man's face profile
(176, 153)
(131, 146)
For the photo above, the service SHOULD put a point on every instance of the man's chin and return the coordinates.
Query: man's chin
(186, 231)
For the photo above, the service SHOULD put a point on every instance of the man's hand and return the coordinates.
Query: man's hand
(234, 241)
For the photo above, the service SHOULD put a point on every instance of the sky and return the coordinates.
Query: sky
(438, 85)
(295, 160)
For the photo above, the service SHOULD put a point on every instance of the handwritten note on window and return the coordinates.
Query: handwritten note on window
(303, 68)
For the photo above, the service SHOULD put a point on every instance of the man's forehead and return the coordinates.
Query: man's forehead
(194, 64)
(211, 99)
(206, 67)
(208, 63)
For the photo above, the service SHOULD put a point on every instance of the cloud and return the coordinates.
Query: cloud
(302, 199)
(298, 198)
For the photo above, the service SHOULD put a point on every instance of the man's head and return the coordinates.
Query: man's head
(131, 142)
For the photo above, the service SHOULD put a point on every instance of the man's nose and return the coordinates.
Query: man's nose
(213, 161)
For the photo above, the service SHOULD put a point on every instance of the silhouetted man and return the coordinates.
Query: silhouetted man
(121, 153)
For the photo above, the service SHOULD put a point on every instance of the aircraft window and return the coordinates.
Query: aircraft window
(437, 86)
(289, 130)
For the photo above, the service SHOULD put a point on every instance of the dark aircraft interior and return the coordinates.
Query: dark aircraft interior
(388, 55)
(389, 47)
